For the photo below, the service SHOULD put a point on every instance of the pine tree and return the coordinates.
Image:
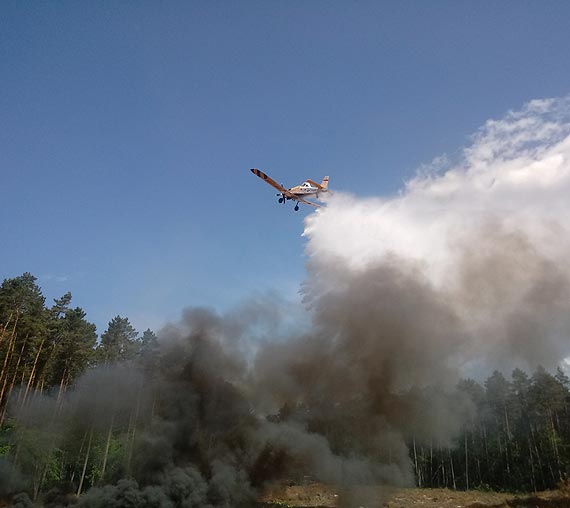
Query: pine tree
(73, 347)
(119, 342)
(24, 333)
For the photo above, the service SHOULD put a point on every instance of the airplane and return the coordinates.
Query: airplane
(297, 193)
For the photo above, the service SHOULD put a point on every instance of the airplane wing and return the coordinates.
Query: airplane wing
(280, 188)
(303, 200)
(270, 181)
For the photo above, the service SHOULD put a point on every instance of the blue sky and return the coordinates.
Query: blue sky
(127, 130)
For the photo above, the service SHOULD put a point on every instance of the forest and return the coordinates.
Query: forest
(86, 418)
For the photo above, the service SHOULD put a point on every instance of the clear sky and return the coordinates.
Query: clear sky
(127, 130)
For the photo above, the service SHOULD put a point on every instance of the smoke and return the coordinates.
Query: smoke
(10, 480)
(488, 235)
(466, 269)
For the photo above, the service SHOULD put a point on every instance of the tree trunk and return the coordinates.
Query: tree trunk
(538, 456)
(553, 440)
(533, 477)
(78, 456)
(107, 445)
(431, 463)
(85, 462)
(507, 442)
(452, 470)
(62, 387)
(466, 464)
(40, 482)
(131, 436)
(418, 473)
(4, 372)
(33, 373)
(12, 383)
(5, 327)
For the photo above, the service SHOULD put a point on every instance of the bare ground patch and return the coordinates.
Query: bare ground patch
(317, 495)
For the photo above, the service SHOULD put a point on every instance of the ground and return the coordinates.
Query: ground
(322, 496)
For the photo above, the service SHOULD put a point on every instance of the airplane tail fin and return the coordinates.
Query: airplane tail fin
(325, 182)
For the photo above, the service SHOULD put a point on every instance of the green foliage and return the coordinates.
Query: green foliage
(517, 440)
(74, 340)
(45, 351)
(21, 297)
(5, 450)
(54, 471)
(119, 342)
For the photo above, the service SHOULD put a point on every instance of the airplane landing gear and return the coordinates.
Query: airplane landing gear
(296, 208)
(280, 200)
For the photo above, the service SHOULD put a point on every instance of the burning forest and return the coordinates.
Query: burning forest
(464, 273)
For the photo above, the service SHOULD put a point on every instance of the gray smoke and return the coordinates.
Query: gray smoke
(464, 271)
(488, 234)
(11, 481)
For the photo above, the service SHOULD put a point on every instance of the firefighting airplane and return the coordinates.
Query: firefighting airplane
(297, 193)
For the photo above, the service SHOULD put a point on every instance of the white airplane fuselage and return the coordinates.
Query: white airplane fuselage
(304, 190)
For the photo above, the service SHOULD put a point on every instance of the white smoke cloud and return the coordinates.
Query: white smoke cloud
(491, 232)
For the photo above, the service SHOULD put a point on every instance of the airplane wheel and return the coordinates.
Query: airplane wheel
(280, 200)
(296, 208)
